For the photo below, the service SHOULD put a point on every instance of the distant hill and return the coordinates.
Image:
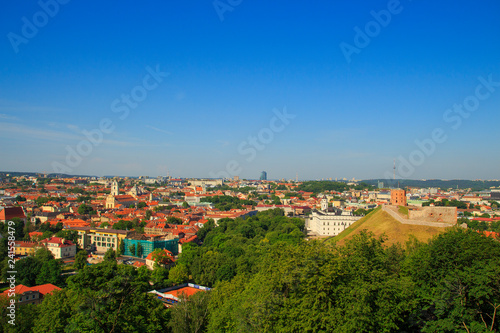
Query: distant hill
(475, 185)
(380, 222)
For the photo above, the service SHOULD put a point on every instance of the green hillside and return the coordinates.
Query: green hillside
(380, 222)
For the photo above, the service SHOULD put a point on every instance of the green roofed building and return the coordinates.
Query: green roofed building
(149, 246)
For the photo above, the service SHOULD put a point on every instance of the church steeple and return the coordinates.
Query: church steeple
(115, 190)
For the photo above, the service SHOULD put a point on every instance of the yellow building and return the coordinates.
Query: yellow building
(100, 240)
(23, 248)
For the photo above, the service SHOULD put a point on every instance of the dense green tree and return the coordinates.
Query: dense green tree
(132, 249)
(458, 285)
(121, 248)
(80, 260)
(178, 274)
(50, 272)
(191, 313)
(159, 277)
(71, 235)
(174, 220)
(85, 209)
(110, 255)
(139, 250)
(103, 298)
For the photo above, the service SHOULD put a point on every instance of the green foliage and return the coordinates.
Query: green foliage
(310, 288)
(207, 227)
(18, 226)
(141, 205)
(103, 298)
(159, 277)
(84, 198)
(24, 317)
(71, 235)
(457, 282)
(47, 227)
(85, 209)
(38, 269)
(233, 246)
(50, 272)
(174, 220)
(403, 210)
(121, 248)
(129, 225)
(446, 203)
(139, 250)
(40, 201)
(322, 186)
(110, 255)
(191, 314)
(80, 260)
(226, 202)
(363, 212)
(132, 248)
(474, 185)
(178, 274)
(78, 190)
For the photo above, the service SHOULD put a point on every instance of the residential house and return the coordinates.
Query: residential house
(31, 295)
(60, 247)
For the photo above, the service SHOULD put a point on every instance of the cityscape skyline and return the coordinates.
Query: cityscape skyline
(198, 90)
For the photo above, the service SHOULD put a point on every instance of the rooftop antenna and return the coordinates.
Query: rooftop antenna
(394, 170)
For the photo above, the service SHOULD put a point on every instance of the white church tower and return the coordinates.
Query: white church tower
(115, 190)
(324, 204)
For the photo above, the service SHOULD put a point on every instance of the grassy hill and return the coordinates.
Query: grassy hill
(380, 222)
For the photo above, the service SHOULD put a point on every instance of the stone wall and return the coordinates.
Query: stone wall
(393, 211)
(434, 214)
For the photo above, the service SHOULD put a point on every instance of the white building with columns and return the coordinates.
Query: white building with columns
(329, 221)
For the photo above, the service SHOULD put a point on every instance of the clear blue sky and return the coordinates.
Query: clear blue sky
(352, 118)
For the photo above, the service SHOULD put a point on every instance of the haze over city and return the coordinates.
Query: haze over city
(205, 89)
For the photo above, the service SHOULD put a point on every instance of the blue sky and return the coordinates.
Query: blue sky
(228, 78)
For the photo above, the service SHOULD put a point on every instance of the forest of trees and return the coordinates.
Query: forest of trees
(321, 186)
(267, 278)
(226, 202)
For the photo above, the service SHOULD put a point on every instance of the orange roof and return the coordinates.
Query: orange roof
(169, 254)
(188, 291)
(9, 213)
(61, 242)
(138, 264)
(43, 289)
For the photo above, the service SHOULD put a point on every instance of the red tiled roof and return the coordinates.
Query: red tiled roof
(43, 289)
(188, 291)
(61, 242)
(9, 213)
(138, 264)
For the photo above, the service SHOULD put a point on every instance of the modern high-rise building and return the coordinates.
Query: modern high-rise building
(263, 175)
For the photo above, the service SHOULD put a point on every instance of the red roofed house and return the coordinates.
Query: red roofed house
(33, 295)
(168, 259)
(8, 213)
(172, 295)
(60, 247)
